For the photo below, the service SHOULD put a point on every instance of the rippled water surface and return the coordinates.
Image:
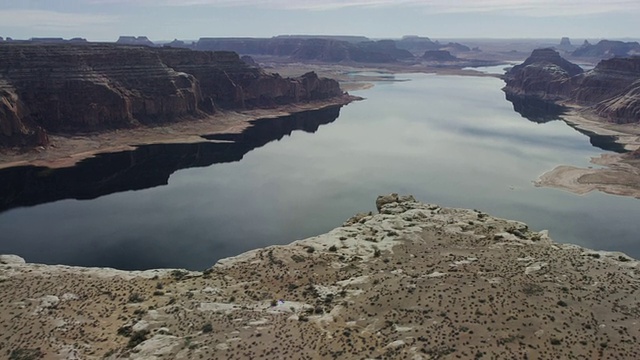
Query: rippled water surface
(449, 140)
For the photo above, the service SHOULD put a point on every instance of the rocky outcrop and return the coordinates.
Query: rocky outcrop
(544, 74)
(15, 129)
(91, 87)
(438, 55)
(413, 281)
(605, 49)
(132, 40)
(611, 90)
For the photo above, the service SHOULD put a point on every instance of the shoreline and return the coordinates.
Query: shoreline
(372, 287)
(66, 150)
(617, 174)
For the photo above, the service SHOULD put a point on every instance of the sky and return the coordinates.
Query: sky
(105, 20)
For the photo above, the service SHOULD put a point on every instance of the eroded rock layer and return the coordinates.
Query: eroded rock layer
(611, 90)
(66, 87)
(415, 281)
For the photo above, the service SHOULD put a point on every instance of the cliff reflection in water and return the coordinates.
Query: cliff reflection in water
(541, 111)
(147, 166)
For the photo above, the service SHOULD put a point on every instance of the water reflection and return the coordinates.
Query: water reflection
(536, 110)
(541, 112)
(148, 166)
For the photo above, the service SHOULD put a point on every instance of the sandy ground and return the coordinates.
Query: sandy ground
(416, 281)
(617, 174)
(66, 150)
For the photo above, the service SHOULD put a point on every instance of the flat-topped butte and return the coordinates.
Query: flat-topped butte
(415, 281)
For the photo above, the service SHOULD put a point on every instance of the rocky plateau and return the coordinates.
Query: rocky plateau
(414, 281)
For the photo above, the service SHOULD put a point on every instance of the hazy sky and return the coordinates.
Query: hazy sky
(191, 19)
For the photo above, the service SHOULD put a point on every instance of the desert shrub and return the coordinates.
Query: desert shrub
(137, 337)
(26, 354)
(207, 328)
(135, 298)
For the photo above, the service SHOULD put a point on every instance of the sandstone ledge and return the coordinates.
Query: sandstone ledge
(415, 281)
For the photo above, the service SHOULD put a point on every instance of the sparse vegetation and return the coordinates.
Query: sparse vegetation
(179, 274)
(26, 354)
(532, 289)
(135, 298)
(207, 328)
(137, 337)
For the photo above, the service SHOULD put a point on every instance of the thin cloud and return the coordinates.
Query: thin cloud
(521, 7)
(46, 19)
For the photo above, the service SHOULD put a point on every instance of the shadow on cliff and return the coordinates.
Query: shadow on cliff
(540, 112)
(147, 166)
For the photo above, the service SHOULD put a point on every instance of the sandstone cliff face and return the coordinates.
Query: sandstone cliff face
(544, 74)
(91, 87)
(611, 89)
(13, 130)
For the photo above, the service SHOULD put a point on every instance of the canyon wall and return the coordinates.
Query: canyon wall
(88, 87)
(611, 90)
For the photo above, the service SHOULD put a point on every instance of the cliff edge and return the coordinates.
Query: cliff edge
(87, 87)
(415, 281)
(611, 90)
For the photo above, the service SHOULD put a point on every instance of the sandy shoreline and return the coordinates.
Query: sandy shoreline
(67, 150)
(415, 281)
(617, 174)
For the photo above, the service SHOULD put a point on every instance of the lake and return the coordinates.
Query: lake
(451, 140)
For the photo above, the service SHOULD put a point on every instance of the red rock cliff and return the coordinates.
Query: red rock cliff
(95, 86)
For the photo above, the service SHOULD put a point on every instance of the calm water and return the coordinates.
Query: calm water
(449, 140)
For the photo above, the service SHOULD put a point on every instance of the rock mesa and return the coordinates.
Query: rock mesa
(70, 88)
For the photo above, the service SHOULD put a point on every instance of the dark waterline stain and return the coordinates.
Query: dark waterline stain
(147, 166)
(541, 112)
